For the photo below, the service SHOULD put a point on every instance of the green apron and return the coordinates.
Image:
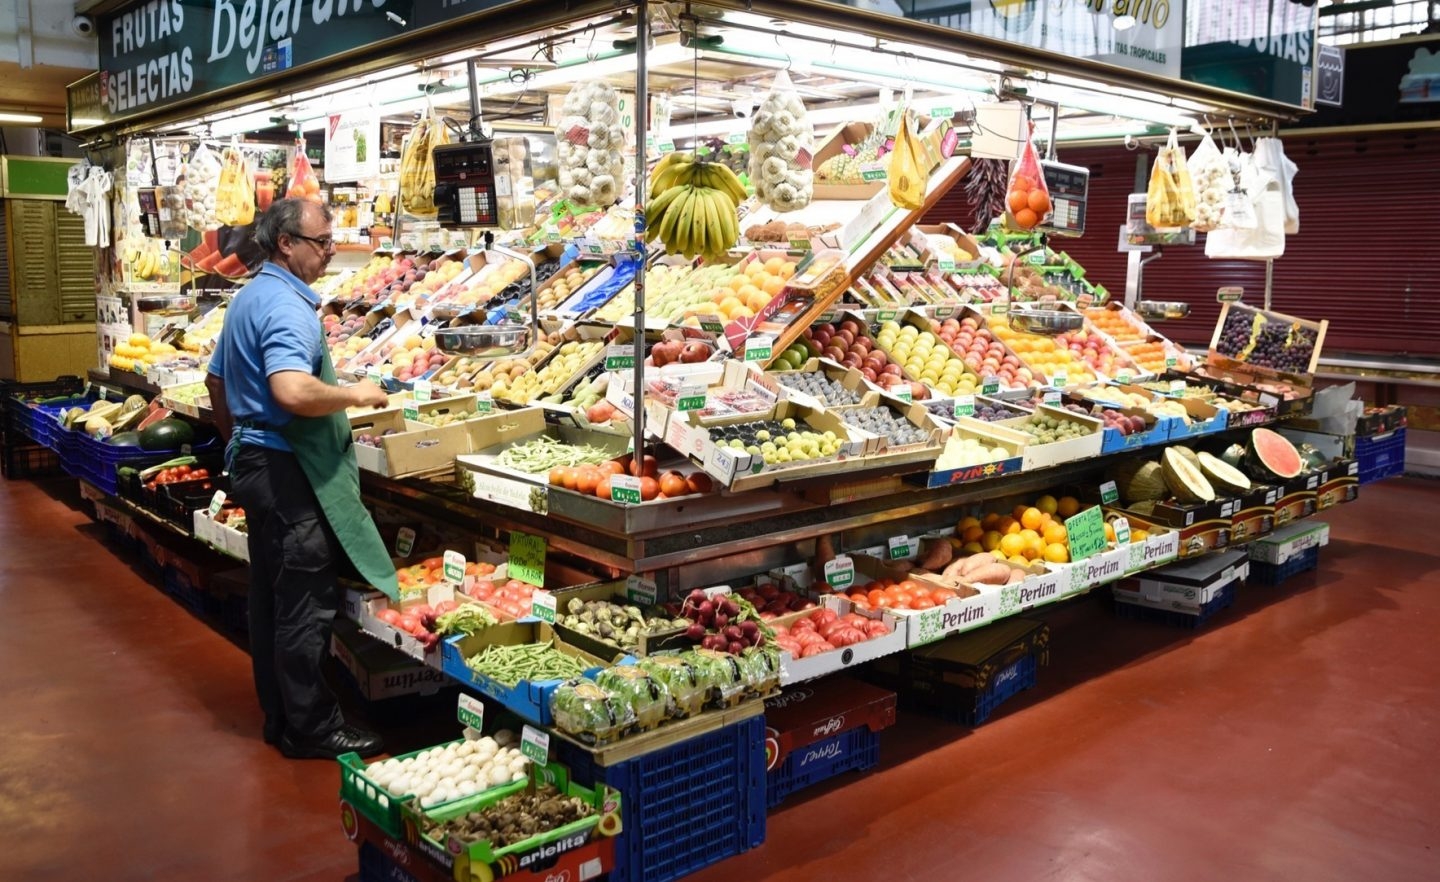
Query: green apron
(326, 452)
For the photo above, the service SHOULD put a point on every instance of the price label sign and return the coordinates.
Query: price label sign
(799, 244)
(711, 324)
(484, 402)
(899, 547)
(217, 502)
(945, 264)
(1177, 387)
(965, 406)
(1086, 532)
(1122, 531)
(665, 147)
(691, 397)
(904, 393)
(404, 542)
(619, 357)
(374, 376)
(470, 712)
(423, 390)
(625, 489)
(999, 308)
(872, 171)
(737, 138)
(1123, 378)
(1061, 380)
(1171, 361)
(535, 745)
(943, 111)
(1109, 493)
(527, 558)
(989, 385)
(453, 569)
(542, 606)
(1051, 397)
(1229, 294)
(759, 348)
(840, 572)
(886, 315)
(410, 411)
(641, 591)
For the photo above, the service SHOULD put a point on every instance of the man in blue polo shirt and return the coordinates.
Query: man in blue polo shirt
(267, 380)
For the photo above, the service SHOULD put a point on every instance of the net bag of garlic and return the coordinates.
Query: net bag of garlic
(782, 141)
(589, 142)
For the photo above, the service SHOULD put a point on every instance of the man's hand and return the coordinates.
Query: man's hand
(367, 394)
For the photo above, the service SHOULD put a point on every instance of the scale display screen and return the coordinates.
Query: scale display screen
(1069, 187)
(465, 185)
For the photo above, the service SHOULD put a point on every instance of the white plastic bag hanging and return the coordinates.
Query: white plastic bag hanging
(1265, 239)
(1270, 156)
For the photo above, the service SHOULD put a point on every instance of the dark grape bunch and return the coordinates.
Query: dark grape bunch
(1276, 347)
(994, 413)
(1235, 334)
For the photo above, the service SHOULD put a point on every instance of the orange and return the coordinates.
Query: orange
(1012, 544)
(990, 541)
(1032, 519)
(1019, 560)
(1056, 533)
(1067, 507)
(972, 548)
(1022, 182)
(990, 520)
(1018, 511)
(1018, 200)
(1109, 532)
(1039, 202)
(967, 522)
(1056, 553)
(1026, 219)
(972, 533)
(1008, 525)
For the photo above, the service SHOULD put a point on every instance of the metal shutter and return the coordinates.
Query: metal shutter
(77, 269)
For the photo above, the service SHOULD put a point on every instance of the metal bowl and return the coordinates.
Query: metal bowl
(1161, 310)
(1047, 322)
(166, 304)
(484, 341)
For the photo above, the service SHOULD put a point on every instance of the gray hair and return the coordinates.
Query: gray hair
(283, 217)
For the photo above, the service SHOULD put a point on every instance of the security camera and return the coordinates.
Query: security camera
(742, 107)
(1131, 143)
(83, 26)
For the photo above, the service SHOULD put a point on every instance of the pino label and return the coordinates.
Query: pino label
(404, 541)
(542, 606)
(454, 567)
(641, 591)
(470, 712)
(535, 745)
(1109, 493)
(899, 547)
(840, 572)
(759, 348)
(217, 502)
(625, 489)
(965, 406)
(424, 391)
(619, 357)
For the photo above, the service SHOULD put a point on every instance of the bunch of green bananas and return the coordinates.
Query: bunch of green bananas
(693, 206)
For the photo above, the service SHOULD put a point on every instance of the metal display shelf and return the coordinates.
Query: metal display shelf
(729, 535)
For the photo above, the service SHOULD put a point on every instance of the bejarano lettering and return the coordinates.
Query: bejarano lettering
(251, 25)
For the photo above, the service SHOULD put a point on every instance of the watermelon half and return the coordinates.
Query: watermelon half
(1271, 455)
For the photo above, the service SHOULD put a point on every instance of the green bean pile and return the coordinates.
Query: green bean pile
(508, 665)
(545, 453)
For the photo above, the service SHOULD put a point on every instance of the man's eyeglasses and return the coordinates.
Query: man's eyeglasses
(324, 243)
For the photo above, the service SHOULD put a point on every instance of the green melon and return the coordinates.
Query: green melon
(1223, 476)
(1139, 480)
(125, 439)
(1185, 481)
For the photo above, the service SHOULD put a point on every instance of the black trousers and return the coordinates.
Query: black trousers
(294, 557)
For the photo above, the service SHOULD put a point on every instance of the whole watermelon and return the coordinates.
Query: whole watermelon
(167, 435)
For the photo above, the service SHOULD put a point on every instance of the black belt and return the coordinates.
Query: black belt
(258, 426)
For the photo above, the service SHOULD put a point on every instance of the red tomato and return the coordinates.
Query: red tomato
(407, 623)
(921, 601)
(388, 616)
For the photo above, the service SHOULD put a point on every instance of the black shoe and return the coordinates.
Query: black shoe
(346, 739)
(274, 731)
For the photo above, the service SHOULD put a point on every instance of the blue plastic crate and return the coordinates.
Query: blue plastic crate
(854, 750)
(1380, 456)
(687, 805)
(1262, 573)
(1179, 619)
(376, 866)
(191, 594)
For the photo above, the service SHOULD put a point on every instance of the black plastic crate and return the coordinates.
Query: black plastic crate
(1262, 573)
(29, 460)
(965, 678)
(1223, 600)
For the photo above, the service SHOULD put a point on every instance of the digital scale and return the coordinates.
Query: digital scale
(1069, 186)
(465, 185)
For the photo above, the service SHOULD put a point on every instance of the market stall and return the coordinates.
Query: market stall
(692, 399)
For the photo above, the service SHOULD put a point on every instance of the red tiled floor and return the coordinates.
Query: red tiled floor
(1293, 739)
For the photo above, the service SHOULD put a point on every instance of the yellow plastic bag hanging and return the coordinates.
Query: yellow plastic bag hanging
(417, 166)
(235, 192)
(1170, 200)
(907, 173)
